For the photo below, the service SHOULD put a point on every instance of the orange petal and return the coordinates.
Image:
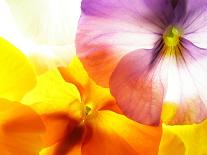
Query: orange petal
(111, 133)
(99, 63)
(89, 90)
(57, 126)
(70, 144)
(20, 129)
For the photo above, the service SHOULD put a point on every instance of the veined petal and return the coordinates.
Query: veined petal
(137, 86)
(192, 17)
(119, 135)
(109, 30)
(20, 129)
(176, 75)
(16, 73)
(187, 86)
(189, 139)
(53, 94)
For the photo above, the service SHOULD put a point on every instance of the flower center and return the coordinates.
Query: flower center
(88, 110)
(172, 36)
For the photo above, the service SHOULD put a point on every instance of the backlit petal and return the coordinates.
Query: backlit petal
(16, 73)
(188, 139)
(53, 94)
(43, 28)
(70, 144)
(137, 86)
(20, 129)
(171, 144)
(186, 100)
(192, 17)
(109, 30)
(111, 133)
(91, 93)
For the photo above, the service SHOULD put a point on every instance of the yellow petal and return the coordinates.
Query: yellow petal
(192, 139)
(53, 94)
(20, 129)
(111, 133)
(89, 90)
(16, 73)
(171, 144)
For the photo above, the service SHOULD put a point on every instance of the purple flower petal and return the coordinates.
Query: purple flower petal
(110, 29)
(142, 82)
(137, 87)
(192, 17)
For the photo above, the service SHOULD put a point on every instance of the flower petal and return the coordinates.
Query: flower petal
(109, 30)
(16, 74)
(53, 94)
(192, 137)
(70, 143)
(20, 129)
(171, 144)
(137, 86)
(57, 126)
(187, 87)
(52, 34)
(192, 17)
(111, 133)
(89, 90)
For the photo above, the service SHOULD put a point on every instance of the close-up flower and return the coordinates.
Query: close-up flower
(151, 53)
(82, 118)
(103, 77)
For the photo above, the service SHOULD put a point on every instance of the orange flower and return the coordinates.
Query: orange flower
(82, 117)
(20, 126)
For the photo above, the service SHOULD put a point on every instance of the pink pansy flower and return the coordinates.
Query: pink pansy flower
(154, 54)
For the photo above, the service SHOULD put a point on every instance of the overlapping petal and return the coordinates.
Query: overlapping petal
(90, 92)
(109, 30)
(59, 104)
(111, 133)
(53, 94)
(141, 84)
(16, 73)
(20, 129)
(138, 86)
(189, 139)
(42, 29)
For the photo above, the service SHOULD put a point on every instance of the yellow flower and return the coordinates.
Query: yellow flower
(82, 117)
(20, 126)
